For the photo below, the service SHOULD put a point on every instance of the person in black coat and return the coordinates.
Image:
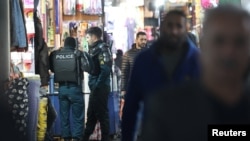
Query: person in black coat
(129, 57)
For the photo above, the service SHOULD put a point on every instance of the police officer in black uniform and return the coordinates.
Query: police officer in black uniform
(99, 84)
(67, 65)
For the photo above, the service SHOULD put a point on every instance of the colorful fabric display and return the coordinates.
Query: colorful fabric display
(93, 7)
(69, 7)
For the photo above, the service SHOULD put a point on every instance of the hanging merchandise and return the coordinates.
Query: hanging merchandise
(83, 26)
(42, 119)
(29, 22)
(28, 3)
(79, 5)
(33, 104)
(18, 30)
(40, 51)
(206, 4)
(16, 96)
(232, 2)
(69, 7)
(57, 18)
(73, 29)
(93, 7)
(131, 26)
(65, 31)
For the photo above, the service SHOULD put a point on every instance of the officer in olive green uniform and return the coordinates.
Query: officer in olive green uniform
(99, 84)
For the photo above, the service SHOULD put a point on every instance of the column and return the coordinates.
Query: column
(4, 42)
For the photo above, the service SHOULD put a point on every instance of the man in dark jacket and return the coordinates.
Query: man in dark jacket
(99, 84)
(68, 73)
(128, 62)
(220, 98)
(170, 61)
(128, 59)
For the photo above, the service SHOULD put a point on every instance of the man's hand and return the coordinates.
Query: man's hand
(121, 108)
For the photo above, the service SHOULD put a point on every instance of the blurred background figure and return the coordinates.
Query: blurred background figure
(118, 59)
(191, 35)
(221, 95)
(170, 61)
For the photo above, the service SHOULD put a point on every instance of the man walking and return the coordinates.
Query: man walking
(170, 61)
(128, 62)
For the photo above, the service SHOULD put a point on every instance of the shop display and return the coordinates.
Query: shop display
(24, 61)
(73, 29)
(28, 4)
(29, 21)
(18, 30)
(17, 97)
(79, 5)
(57, 18)
(233, 2)
(28, 62)
(131, 26)
(42, 120)
(69, 7)
(33, 97)
(51, 36)
(209, 3)
(83, 44)
(77, 29)
(65, 31)
(92, 7)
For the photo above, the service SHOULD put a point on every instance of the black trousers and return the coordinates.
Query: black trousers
(98, 110)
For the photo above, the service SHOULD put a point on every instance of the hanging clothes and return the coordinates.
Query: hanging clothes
(93, 7)
(17, 97)
(42, 119)
(69, 7)
(41, 52)
(79, 5)
(131, 25)
(18, 29)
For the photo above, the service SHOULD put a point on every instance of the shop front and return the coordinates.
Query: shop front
(123, 21)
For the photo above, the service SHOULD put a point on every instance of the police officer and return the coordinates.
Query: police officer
(66, 65)
(99, 84)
